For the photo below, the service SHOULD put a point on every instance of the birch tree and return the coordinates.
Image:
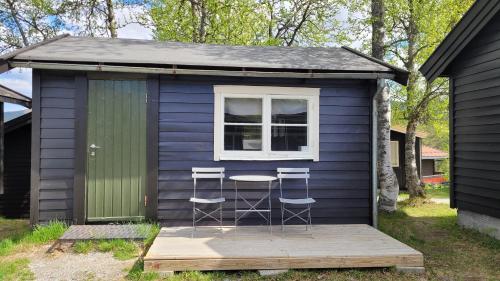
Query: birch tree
(95, 18)
(244, 22)
(388, 183)
(415, 28)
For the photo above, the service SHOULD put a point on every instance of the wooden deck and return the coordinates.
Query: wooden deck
(326, 246)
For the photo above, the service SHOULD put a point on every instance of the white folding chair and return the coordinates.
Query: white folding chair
(287, 214)
(207, 173)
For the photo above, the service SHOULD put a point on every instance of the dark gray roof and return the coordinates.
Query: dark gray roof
(481, 12)
(18, 121)
(10, 96)
(147, 52)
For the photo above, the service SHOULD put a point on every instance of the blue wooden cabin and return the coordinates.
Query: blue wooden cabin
(118, 124)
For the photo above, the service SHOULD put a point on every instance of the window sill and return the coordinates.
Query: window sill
(277, 158)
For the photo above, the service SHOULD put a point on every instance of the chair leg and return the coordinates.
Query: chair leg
(194, 220)
(309, 213)
(220, 213)
(282, 217)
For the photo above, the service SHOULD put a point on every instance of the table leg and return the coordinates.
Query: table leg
(269, 200)
(235, 206)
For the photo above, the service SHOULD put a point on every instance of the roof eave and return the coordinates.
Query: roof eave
(401, 75)
(5, 58)
(178, 70)
(11, 96)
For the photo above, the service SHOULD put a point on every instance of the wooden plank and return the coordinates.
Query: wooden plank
(2, 136)
(117, 149)
(153, 88)
(326, 246)
(35, 148)
(134, 147)
(91, 139)
(142, 134)
(80, 143)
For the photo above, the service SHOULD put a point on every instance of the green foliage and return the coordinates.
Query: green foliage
(12, 228)
(410, 46)
(40, 235)
(245, 22)
(124, 250)
(82, 247)
(6, 246)
(437, 191)
(137, 273)
(46, 233)
(17, 269)
(151, 231)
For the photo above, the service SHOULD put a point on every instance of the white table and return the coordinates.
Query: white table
(252, 208)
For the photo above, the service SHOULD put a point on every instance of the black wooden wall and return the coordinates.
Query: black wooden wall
(15, 201)
(57, 145)
(476, 123)
(399, 171)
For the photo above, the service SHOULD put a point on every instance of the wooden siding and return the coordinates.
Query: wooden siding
(340, 181)
(399, 171)
(57, 146)
(476, 119)
(15, 202)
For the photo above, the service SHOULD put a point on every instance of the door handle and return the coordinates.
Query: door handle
(93, 146)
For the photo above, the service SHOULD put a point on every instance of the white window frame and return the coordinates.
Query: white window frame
(396, 165)
(267, 94)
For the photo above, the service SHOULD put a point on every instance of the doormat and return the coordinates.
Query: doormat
(104, 232)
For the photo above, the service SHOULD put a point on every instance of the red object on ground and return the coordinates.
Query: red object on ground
(435, 179)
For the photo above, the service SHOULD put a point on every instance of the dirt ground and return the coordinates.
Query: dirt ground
(71, 266)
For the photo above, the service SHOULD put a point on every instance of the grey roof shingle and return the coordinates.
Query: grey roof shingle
(148, 52)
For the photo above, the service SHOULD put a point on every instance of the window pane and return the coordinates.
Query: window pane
(289, 111)
(242, 110)
(237, 137)
(395, 153)
(289, 138)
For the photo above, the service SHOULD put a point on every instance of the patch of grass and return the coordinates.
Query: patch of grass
(432, 191)
(12, 228)
(83, 247)
(124, 250)
(46, 233)
(6, 246)
(136, 273)
(152, 231)
(15, 270)
(438, 191)
(104, 246)
(450, 252)
(22, 237)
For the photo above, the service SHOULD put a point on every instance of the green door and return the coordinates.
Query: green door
(116, 150)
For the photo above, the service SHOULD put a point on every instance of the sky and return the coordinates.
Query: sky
(19, 79)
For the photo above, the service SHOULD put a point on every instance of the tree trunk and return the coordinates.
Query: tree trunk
(389, 187)
(378, 29)
(413, 183)
(388, 183)
(111, 20)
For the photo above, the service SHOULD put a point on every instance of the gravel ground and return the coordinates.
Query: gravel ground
(71, 266)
